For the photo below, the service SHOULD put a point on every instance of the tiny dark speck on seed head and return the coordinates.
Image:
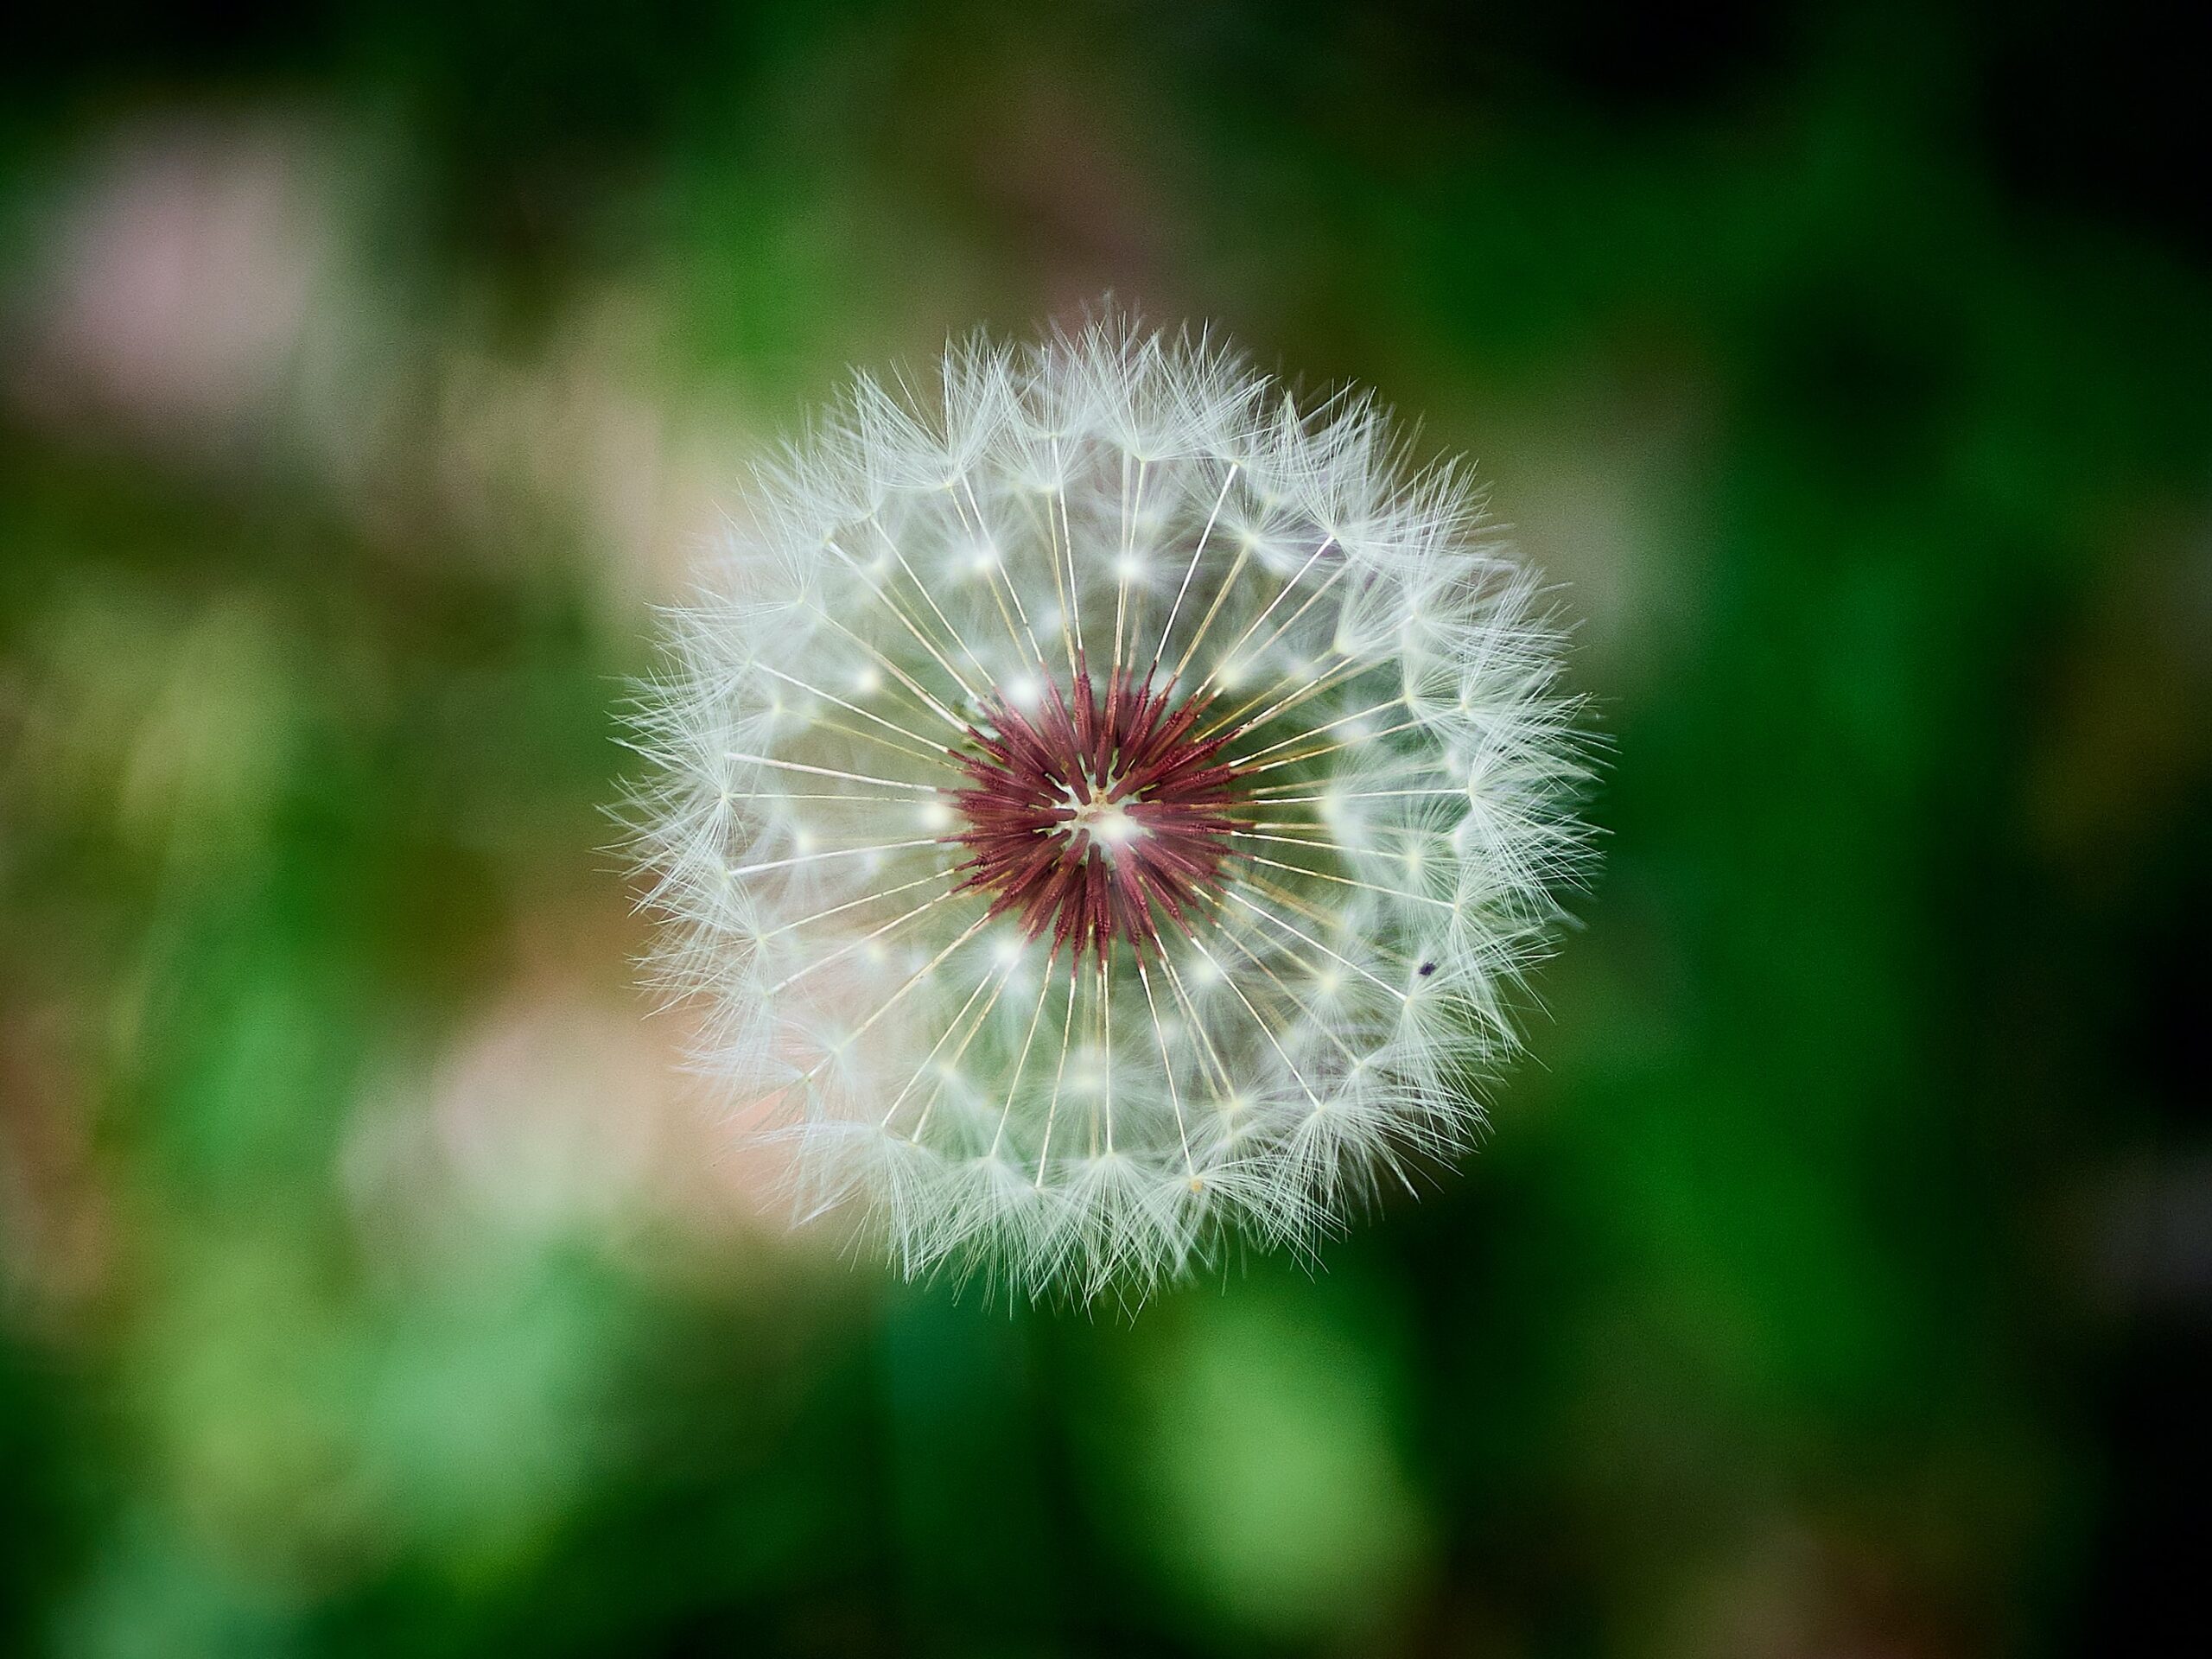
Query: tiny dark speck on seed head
(1427, 969)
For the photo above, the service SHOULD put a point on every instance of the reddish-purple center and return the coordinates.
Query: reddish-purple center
(1100, 819)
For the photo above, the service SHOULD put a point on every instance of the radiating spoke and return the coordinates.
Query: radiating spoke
(1301, 691)
(1332, 748)
(1281, 628)
(1229, 656)
(1270, 915)
(854, 903)
(831, 852)
(1106, 1048)
(1190, 569)
(922, 1123)
(1021, 1061)
(831, 697)
(826, 772)
(1316, 731)
(1346, 880)
(1059, 1077)
(1131, 506)
(859, 736)
(875, 588)
(1274, 799)
(784, 795)
(1275, 893)
(897, 996)
(936, 1048)
(1059, 582)
(865, 939)
(1219, 1068)
(1236, 936)
(1266, 1030)
(876, 523)
(913, 686)
(906, 621)
(1067, 544)
(1220, 596)
(1167, 1067)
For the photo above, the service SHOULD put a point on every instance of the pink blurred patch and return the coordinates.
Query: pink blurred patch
(175, 281)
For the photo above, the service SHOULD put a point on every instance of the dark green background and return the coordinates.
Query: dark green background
(1836, 1278)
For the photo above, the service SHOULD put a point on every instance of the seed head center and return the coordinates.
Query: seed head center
(1099, 817)
(1105, 820)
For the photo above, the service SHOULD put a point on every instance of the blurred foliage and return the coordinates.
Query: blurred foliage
(1836, 1278)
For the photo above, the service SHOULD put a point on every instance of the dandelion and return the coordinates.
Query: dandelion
(1105, 808)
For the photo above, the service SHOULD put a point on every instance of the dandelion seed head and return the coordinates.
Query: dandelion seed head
(1106, 806)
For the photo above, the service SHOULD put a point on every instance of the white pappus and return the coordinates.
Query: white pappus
(1102, 808)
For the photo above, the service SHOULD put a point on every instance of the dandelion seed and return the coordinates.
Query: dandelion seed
(1107, 810)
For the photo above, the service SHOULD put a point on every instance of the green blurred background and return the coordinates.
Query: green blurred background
(1837, 1278)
